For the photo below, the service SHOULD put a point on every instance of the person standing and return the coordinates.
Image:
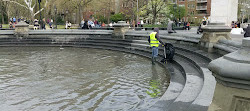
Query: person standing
(154, 40)
(50, 23)
(43, 24)
(247, 31)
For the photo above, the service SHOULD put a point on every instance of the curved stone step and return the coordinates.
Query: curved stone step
(204, 99)
(192, 88)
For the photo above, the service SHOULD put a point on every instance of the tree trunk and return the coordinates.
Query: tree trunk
(154, 17)
(2, 14)
(32, 15)
(80, 15)
(109, 12)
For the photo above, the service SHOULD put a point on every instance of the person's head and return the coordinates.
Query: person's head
(156, 29)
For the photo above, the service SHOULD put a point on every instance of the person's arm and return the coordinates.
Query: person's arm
(158, 38)
(149, 39)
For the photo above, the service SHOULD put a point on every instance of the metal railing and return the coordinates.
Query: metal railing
(201, 1)
(201, 7)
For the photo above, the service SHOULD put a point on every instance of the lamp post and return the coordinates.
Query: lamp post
(67, 15)
(41, 23)
(242, 15)
(137, 13)
(55, 16)
(179, 13)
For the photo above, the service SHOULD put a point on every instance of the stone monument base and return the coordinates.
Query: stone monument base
(120, 29)
(212, 33)
(230, 99)
(21, 29)
(232, 73)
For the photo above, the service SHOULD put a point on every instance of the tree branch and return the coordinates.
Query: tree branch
(34, 5)
(19, 4)
(38, 11)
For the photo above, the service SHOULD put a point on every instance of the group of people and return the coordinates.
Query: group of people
(68, 25)
(43, 25)
(13, 21)
(90, 24)
(235, 24)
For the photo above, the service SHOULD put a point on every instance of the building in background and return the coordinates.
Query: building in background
(196, 9)
(129, 7)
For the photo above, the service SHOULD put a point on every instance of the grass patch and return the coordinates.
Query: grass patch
(5, 26)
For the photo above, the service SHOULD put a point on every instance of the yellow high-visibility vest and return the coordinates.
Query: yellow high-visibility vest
(153, 41)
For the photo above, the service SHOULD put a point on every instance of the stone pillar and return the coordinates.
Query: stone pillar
(232, 73)
(223, 12)
(120, 29)
(212, 33)
(21, 29)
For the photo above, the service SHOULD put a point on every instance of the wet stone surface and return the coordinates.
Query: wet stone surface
(76, 79)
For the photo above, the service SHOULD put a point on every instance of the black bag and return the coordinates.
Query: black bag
(170, 50)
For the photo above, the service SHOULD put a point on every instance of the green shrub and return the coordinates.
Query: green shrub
(117, 17)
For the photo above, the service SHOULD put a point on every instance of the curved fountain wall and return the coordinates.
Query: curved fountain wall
(192, 84)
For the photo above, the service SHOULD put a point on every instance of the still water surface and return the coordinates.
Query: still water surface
(78, 79)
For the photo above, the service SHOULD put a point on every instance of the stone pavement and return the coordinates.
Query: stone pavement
(193, 33)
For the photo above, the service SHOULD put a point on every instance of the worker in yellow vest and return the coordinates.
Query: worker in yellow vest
(154, 41)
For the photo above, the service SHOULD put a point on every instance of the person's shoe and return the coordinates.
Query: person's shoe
(153, 61)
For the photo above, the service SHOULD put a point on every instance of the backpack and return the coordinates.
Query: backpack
(170, 51)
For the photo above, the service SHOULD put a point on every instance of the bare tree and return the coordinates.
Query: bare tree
(28, 4)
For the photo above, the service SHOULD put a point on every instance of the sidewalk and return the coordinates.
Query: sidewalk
(193, 32)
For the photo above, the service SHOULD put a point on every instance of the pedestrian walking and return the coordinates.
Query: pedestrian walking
(43, 24)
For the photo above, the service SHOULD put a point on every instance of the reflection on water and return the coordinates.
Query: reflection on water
(75, 79)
